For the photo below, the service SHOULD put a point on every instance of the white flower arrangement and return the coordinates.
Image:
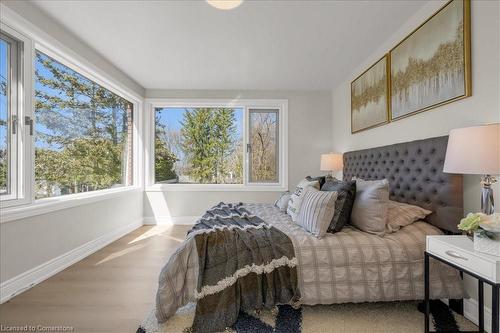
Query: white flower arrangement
(484, 225)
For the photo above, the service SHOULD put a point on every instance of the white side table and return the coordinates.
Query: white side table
(458, 252)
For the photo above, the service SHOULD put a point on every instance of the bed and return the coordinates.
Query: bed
(348, 266)
(355, 266)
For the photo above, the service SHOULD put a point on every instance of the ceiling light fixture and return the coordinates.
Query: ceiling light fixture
(224, 4)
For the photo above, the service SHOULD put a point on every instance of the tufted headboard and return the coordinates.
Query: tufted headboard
(415, 173)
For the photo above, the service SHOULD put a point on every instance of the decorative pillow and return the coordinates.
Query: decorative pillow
(320, 179)
(316, 211)
(282, 202)
(296, 197)
(402, 214)
(346, 193)
(369, 212)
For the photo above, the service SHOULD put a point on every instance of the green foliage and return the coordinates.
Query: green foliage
(164, 158)
(86, 164)
(208, 141)
(164, 162)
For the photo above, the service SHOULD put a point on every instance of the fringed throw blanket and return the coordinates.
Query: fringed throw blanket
(243, 264)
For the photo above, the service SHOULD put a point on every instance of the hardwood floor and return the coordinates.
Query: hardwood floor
(109, 291)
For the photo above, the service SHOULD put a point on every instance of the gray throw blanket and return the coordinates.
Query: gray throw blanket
(244, 264)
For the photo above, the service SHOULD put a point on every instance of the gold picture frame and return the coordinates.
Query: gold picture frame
(370, 97)
(393, 113)
(462, 78)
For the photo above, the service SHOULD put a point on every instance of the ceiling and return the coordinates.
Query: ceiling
(279, 45)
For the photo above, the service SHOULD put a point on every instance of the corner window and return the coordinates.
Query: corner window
(83, 133)
(233, 143)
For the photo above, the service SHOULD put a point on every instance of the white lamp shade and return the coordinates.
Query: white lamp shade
(331, 162)
(474, 150)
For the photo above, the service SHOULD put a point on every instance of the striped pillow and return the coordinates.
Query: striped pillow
(316, 211)
(296, 197)
(402, 214)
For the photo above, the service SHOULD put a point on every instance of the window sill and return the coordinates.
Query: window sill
(215, 188)
(48, 205)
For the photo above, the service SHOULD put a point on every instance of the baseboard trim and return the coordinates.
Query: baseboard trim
(166, 220)
(34, 276)
(471, 312)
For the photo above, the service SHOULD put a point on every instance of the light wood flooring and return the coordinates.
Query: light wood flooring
(109, 291)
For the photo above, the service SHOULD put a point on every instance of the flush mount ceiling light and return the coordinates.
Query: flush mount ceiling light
(224, 4)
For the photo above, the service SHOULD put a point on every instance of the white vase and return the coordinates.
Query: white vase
(487, 245)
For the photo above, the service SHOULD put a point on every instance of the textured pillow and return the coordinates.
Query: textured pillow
(296, 197)
(402, 214)
(321, 180)
(316, 211)
(369, 212)
(346, 193)
(282, 202)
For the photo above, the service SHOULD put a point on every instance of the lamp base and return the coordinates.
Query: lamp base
(487, 202)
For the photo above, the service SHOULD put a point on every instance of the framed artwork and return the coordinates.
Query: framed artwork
(369, 97)
(431, 66)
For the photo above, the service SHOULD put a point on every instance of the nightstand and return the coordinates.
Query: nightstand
(458, 252)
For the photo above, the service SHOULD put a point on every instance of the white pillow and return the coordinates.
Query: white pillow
(317, 210)
(282, 201)
(369, 212)
(296, 197)
(402, 214)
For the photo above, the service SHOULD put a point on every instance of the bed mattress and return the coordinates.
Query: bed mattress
(355, 266)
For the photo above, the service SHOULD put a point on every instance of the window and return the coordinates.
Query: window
(263, 145)
(83, 133)
(199, 145)
(10, 53)
(226, 143)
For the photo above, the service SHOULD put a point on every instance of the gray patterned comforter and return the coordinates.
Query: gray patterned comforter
(349, 266)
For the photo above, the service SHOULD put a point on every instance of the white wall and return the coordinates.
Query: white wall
(30, 248)
(33, 241)
(482, 107)
(309, 135)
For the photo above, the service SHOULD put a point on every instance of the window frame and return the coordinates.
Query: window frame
(22, 142)
(281, 105)
(93, 75)
(248, 155)
(36, 39)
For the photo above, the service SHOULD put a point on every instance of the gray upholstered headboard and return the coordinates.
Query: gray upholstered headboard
(415, 173)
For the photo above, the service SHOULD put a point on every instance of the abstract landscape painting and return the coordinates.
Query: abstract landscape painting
(369, 98)
(431, 66)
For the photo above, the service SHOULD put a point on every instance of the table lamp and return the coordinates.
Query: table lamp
(331, 162)
(476, 150)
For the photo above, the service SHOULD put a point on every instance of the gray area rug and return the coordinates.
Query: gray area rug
(381, 317)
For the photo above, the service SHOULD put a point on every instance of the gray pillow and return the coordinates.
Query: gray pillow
(369, 212)
(296, 197)
(316, 211)
(282, 201)
(346, 193)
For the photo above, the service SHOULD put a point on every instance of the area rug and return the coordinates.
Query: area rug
(384, 317)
